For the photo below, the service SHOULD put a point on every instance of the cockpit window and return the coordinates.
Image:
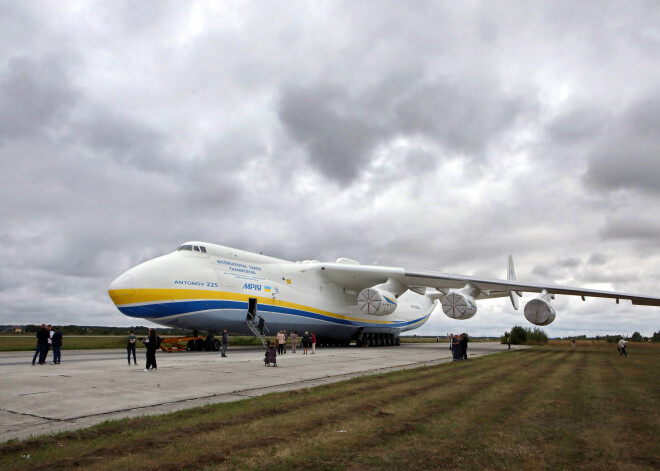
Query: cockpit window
(196, 248)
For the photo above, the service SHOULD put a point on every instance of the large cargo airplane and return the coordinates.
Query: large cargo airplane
(208, 287)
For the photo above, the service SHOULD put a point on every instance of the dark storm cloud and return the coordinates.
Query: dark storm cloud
(341, 130)
(626, 155)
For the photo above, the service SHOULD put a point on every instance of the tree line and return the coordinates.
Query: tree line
(100, 330)
(524, 335)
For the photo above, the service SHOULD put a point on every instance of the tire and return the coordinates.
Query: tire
(190, 346)
(199, 345)
(216, 345)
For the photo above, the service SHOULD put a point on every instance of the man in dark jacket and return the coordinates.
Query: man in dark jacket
(152, 343)
(261, 325)
(42, 343)
(225, 342)
(464, 342)
(57, 346)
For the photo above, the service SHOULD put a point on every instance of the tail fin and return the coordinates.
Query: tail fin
(511, 276)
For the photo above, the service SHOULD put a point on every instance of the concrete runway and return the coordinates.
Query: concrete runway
(92, 386)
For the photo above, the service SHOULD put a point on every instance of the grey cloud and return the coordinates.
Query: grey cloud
(576, 124)
(627, 228)
(340, 130)
(329, 122)
(461, 113)
(570, 262)
(597, 259)
(236, 125)
(542, 271)
(125, 140)
(35, 94)
(626, 157)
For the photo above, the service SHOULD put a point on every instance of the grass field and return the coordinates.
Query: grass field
(543, 408)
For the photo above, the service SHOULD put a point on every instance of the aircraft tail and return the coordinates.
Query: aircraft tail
(511, 276)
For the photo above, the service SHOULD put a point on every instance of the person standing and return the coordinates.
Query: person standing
(152, 343)
(454, 347)
(42, 342)
(57, 346)
(49, 343)
(284, 341)
(131, 339)
(622, 347)
(280, 343)
(312, 338)
(451, 343)
(294, 340)
(225, 342)
(508, 342)
(261, 325)
(305, 342)
(464, 345)
(572, 343)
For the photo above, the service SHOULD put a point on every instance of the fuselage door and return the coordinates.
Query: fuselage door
(252, 309)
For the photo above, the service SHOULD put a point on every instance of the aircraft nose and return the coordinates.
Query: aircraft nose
(122, 289)
(125, 281)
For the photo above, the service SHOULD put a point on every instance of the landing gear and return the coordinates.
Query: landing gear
(377, 340)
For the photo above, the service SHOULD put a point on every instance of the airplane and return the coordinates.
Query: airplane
(207, 287)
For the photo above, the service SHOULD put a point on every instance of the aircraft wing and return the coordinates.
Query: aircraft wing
(444, 280)
(358, 277)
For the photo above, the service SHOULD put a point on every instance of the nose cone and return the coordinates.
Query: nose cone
(122, 289)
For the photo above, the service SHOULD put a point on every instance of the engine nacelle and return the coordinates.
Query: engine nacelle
(538, 311)
(459, 306)
(376, 302)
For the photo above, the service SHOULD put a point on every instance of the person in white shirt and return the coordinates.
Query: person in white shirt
(622, 347)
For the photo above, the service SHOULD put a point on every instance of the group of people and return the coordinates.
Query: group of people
(308, 341)
(151, 342)
(279, 348)
(458, 345)
(47, 338)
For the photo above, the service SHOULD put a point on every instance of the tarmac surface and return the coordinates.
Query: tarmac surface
(93, 386)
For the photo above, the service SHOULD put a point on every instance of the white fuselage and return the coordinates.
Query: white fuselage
(213, 289)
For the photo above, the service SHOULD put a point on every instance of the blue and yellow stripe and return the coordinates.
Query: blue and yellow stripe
(163, 303)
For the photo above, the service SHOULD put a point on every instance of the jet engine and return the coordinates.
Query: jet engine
(538, 311)
(376, 301)
(459, 305)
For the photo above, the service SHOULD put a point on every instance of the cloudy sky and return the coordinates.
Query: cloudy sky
(429, 135)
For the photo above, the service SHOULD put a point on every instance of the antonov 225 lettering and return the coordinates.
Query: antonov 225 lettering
(208, 287)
